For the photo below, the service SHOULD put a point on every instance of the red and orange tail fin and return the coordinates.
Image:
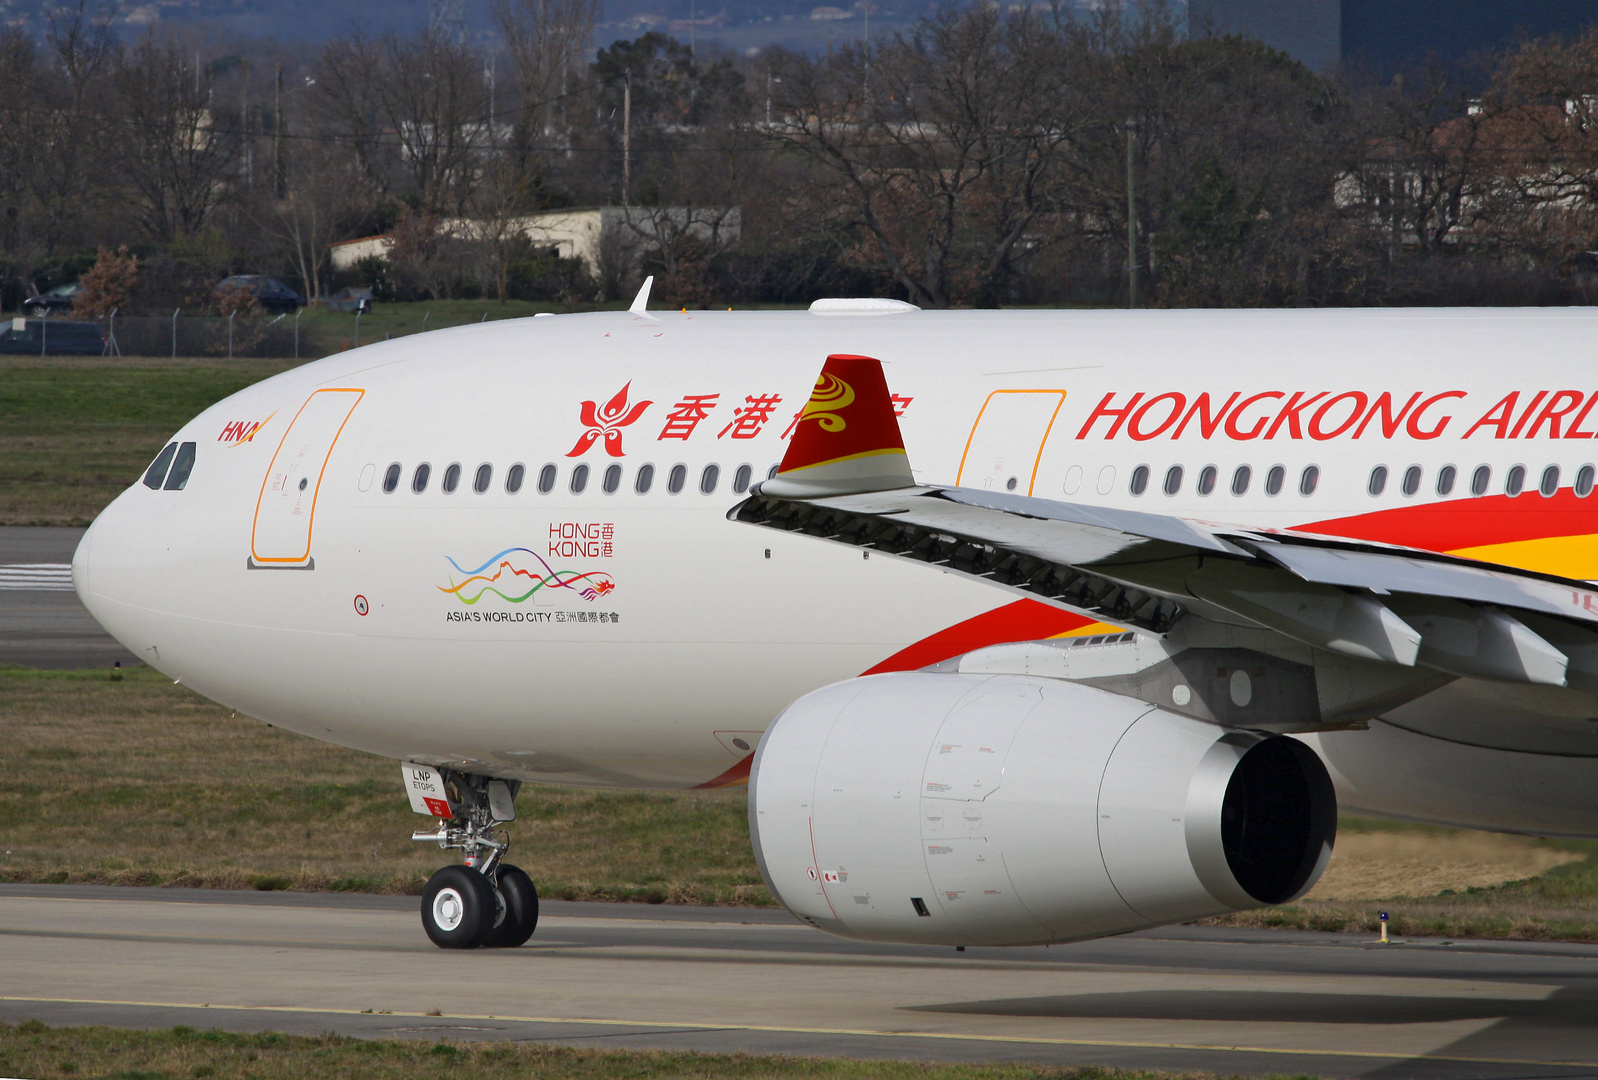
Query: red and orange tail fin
(847, 439)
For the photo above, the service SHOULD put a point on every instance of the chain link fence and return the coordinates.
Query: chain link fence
(279, 337)
(302, 335)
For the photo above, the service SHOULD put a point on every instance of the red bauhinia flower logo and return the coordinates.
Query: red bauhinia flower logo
(607, 421)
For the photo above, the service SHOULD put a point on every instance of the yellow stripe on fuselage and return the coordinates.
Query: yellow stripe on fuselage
(1565, 556)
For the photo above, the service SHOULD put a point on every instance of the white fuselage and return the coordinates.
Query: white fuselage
(661, 638)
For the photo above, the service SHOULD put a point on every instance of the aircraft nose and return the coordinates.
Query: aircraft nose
(80, 565)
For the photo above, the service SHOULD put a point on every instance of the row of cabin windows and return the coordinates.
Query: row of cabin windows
(1242, 477)
(1409, 484)
(1482, 479)
(576, 481)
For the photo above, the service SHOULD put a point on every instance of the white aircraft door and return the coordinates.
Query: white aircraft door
(286, 509)
(1006, 442)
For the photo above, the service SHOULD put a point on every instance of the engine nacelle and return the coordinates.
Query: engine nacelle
(1009, 810)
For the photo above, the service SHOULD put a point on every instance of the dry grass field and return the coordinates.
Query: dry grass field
(124, 778)
(33, 1050)
(75, 431)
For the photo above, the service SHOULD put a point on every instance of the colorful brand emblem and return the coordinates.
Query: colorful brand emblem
(242, 431)
(516, 575)
(607, 422)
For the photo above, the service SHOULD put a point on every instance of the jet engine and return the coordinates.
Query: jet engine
(1012, 810)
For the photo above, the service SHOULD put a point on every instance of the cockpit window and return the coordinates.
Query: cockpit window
(181, 468)
(157, 471)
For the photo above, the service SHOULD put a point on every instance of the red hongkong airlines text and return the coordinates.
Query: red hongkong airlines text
(1300, 414)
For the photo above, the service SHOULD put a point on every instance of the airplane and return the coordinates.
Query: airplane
(1021, 627)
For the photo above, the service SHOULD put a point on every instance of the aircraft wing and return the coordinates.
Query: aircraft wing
(850, 483)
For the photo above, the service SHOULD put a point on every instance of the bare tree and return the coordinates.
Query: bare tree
(172, 153)
(548, 42)
(937, 148)
(68, 133)
(414, 111)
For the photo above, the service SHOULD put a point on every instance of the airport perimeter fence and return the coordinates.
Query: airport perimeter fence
(279, 337)
(302, 335)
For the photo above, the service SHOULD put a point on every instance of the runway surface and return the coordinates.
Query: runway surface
(757, 981)
(42, 624)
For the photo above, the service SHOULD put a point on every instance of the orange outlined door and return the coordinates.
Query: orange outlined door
(1006, 442)
(286, 509)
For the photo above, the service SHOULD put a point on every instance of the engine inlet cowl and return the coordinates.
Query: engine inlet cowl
(1008, 810)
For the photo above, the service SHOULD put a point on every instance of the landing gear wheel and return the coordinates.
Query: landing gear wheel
(457, 907)
(517, 916)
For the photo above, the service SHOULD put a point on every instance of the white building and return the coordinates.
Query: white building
(603, 237)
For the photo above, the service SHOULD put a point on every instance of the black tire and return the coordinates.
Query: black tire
(457, 907)
(516, 909)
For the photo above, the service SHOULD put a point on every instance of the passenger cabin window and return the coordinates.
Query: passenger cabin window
(419, 477)
(485, 473)
(1308, 479)
(156, 473)
(741, 478)
(579, 479)
(1445, 480)
(708, 479)
(183, 466)
(1173, 479)
(1206, 480)
(772, 473)
(514, 477)
(1140, 480)
(612, 479)
(1378, 480)
(1240, 480)
(645, 478)
(1480, 479)
(1583, 485)
(677, 478)
(1549, 485)
(1274, 480)
(391, 479)
(1515, 481)
(452, 478)
(1411, 480)
(546, 479)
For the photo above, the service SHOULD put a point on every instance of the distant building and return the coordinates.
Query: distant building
(601, 237)
(1388, 34)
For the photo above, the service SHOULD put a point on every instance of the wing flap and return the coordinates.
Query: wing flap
(1395, 605)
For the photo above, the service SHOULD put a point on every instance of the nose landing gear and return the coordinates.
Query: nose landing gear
(484, 903)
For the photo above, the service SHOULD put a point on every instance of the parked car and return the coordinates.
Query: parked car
(57, 299)
(52, 337)
(351, 300)
(269, 292)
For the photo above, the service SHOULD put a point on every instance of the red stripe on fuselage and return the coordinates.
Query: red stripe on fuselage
(1024, 620)
(738, 774)
(1468, 523)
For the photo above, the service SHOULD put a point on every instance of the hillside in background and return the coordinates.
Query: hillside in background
(735, 24)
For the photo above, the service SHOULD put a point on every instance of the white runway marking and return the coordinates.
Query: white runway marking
(36, 577)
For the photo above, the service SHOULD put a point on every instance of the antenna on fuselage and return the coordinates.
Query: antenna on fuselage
(641, 301)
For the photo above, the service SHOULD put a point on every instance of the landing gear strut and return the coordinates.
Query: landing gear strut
(486, 902)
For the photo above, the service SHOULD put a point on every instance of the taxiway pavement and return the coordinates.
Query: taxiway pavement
(42, 624)
(1228, 1001)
